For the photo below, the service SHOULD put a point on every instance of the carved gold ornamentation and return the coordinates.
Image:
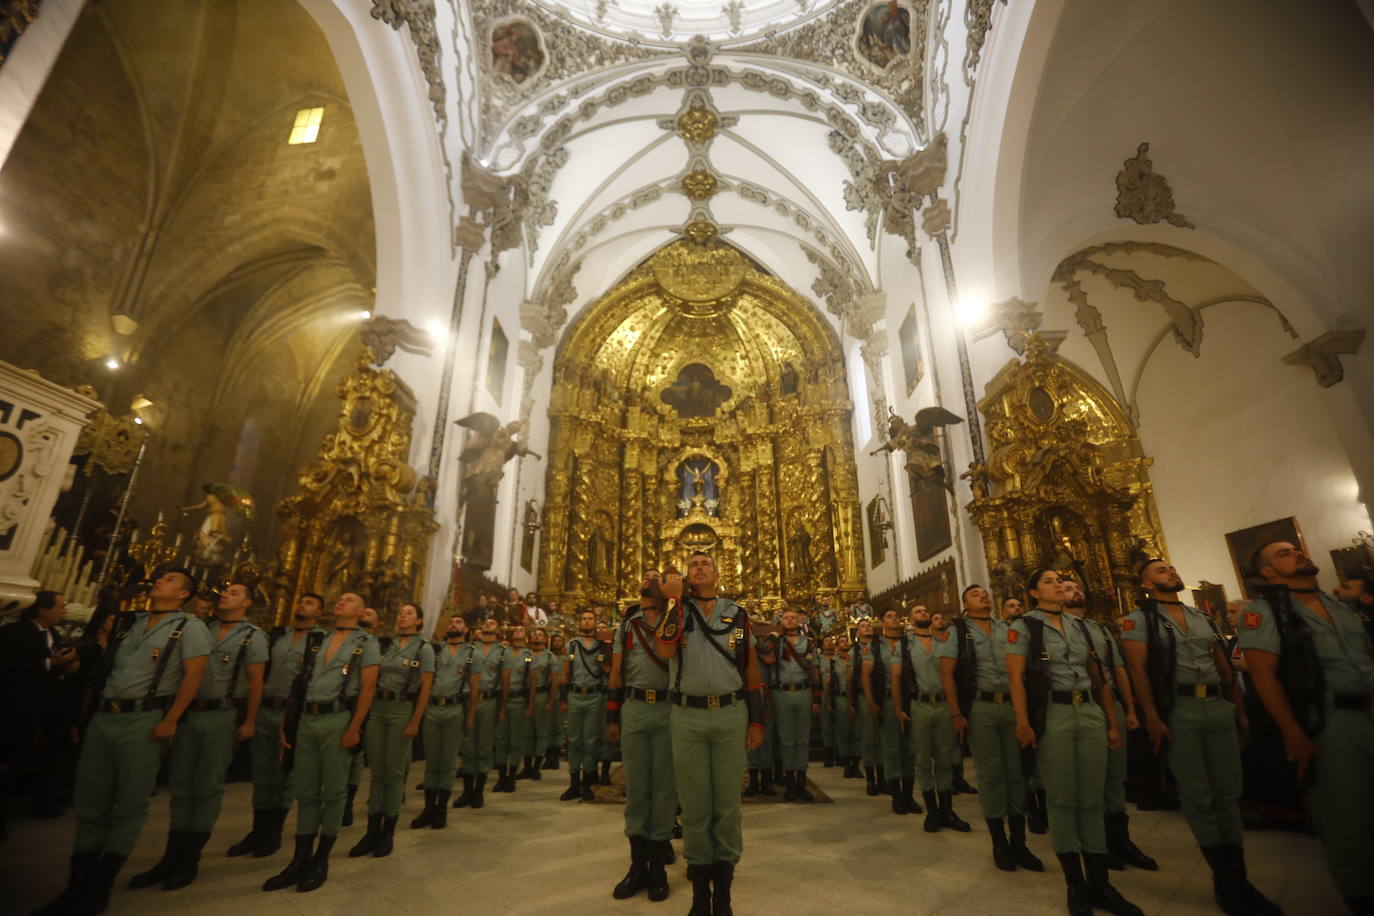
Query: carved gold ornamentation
(699, 185)
(700, 231)
(764, 480)
(360, 521)
(697, 125)
(112, 443)
(1066, 482)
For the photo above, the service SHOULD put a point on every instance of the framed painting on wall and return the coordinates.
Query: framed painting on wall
(1246, 541)
(909, 337)
(930, 509)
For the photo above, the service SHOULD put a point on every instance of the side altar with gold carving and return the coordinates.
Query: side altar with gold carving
(1066, 483)
(362, 520)
(701, 404)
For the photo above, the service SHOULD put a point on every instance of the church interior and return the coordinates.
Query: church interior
(867, 299)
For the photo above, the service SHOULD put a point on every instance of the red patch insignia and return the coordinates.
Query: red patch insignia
(1252, 620)
(1127, 625)
(1013, 635)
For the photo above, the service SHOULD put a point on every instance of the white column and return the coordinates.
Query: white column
(26, 70)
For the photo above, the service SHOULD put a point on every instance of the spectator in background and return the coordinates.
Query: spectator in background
(474, 617)
(204, 606)
(1012, 608)
(1358, 592)
(535, 616)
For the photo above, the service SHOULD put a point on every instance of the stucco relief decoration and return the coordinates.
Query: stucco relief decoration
(978, 22)
(517, 50)
(1144, 195)
(419, 15)
(1323, 354)
(883, 36)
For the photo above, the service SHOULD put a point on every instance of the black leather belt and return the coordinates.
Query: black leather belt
(539, 690)
(585, 691)
(199, 705)
(1070, 697)
(792, 688)
(325, 709)
(273, 703)
(118, 707)
(839, 693)
(486, 695)
(1355, 702)
(994, 696)
(718, 701)
(647, 695)
(395, 695)
(937, 696)
(441, 702)
(1201, 691)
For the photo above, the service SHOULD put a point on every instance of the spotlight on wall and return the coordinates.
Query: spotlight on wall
(436, 329)
(138, 420)
(364, 314)
(971, 311)
(111, 363)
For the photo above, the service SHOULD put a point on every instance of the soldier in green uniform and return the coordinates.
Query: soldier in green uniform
(864, 709)
(796, 698)
(1120, 850)
(926, 722)
(487, 685)
(760, 759)
(271, 781)
(717, 715)
(558, 725)
(514, 643)
(445, 721)
(843, 721)
(939, 623)
(334, 692)
(1308, 657)
(204, 742)
(605, 748)
(153, 670)
(973, 668)
(368, 621)
(898, 763)
(1054, 673)
(1191, 700)
(583, 700)
(637, 717)
(541, 678)
(522, 678)
(824, 662)
(405, 679)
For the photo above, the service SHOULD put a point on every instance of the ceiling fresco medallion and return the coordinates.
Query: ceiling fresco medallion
(517, 49)
(882, 35)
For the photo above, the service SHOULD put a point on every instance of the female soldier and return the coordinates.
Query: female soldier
(1054, 676)
(403, 687)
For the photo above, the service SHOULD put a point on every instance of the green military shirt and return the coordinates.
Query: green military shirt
(989, 653)
(284, 661)
(926, 664)
(402, 665)
(838, 670)
(1343, 650)
(451, 669)
(488, 666)
(340, 675)
(1104, 643)
(795, 667)
(888, 655)
(520, 664)
(140, 649)
(1194, 662)
(638, 667)
(585, 668)
(242, 646)
(543, 668)
(699, 670)
(1068, 652)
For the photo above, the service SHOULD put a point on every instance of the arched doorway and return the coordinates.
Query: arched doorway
(701, 404)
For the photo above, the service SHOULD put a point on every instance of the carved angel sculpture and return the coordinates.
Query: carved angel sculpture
(485, 456)
(921, 443)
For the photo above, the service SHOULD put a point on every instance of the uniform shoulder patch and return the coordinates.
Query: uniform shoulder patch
(1127, 624)
(1013, 636)
(1252, 620)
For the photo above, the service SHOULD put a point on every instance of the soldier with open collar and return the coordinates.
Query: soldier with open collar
(541, 679)
(488, 689)
(445, 723)
(583, 700)
(368, 622)
(521, 680)
(927, 725)
(760, 759)
(836, 699)
(796, 698)
(891, 666)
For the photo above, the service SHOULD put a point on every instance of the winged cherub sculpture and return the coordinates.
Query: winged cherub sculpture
(484, 457)
(920, 441)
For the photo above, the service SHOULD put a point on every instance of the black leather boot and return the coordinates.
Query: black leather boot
(633, 882)
(789, 781)
(605, 773)
(464, 798)
(552, 758)
(269, 841)
(1104, 896)
(722, 876)
(291, 874)
(440, 811)
(882, 781)
(535, 768)
(1258, 902)
(933, 823)
(961, 785)
(589, 780)
(908, 788)
(574, 789)
(1080, 895)
(1225, 890)
(1037, 815)
(898, 798)
(777, 773)
(510, 779)
(700, 876)
(479, 785)
(250, 842)
(669, 857)
(525, 770)
(803, 794)
(79, 871)
(829, 757)
(186, 867)
(752, 788)
(871, 775)
(1026, 859)
(94, 896)
(159, 872)
(851, 768)
(386, 837)
(368, 844)
(1119, 840)
(947, 816)
(1001, 849)
(317, 869)
(500, 781)
(656, 875)
(348, 806)
(766, 783)
(425, 817)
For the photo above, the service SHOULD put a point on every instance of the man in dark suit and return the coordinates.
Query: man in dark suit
(33, 662)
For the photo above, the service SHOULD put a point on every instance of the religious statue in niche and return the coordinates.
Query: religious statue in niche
(697, 477)
(483, 461)
(696, 393)
(599, 560)
(885, 34)
(213, 538)
(516, 50)
(790, 380)
(799, 558)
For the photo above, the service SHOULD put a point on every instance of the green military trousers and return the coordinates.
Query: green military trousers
(198, 766)
(932, 737)
(761, 757)
(1343, 799)
(586, 713)
(1072, 761)
(793, 710)
(388, 754)
(271, 783)
(843, 729)
(1204, 756)
(997, 758)
(355, 762)
(521, 733)
(898, 762)
(827, 729)
(321, 772)
(114, 778)
(1114, 794)
(708, 771)
(479, 745)
(443, 730)
(544, 720)
(500, 748)
(869, 729)
(646, 745)
(558, 728)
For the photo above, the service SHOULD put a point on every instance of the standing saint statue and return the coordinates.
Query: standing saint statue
(483, 461)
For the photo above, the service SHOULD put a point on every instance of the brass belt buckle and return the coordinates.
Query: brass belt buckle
(999, 697)
(713, 702)
(651, 696)
(1200, 691)
(116, 706)
(1078, 698)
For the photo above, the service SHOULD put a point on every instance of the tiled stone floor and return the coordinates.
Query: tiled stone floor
(530, 853)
